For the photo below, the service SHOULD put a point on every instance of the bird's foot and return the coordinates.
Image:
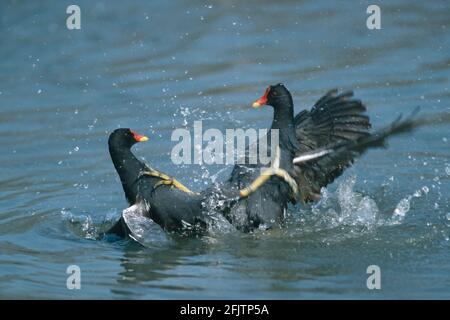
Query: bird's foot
(274, 170)
(265, 175)
(166, 180)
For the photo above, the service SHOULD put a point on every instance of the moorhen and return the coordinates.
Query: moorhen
(326, 140)
(246, 199)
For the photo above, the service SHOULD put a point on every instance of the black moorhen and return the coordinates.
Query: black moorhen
(246, 199)
(169, 206)
(326, 140)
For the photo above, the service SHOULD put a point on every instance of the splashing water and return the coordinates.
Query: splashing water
(355, 208)
(143, 230)
(447, 169)
(81, 225)
(404, 206)
(343, 208)
(348, 210)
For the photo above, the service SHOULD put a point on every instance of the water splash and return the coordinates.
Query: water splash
(143, 230)
(346, 212)
(447, 169)
(404, 206)
(355, 208)
(350, 213)
(401, 210)
(81, 225)
(345, 207)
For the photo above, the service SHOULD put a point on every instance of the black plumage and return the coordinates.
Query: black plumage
(177, 209)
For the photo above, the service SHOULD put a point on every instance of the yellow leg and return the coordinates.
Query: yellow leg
(274, 170)
(167, 180)
(283, 174)
(258, 182)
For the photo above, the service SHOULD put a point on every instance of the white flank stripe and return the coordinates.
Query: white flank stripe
(311, 156)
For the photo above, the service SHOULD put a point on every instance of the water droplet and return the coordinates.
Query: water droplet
(402, 208)
(417, 194)
(39, 91)
(448, 216)
(447, 169)
(425, 189)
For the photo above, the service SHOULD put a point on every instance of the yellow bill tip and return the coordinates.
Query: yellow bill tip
(256, 104)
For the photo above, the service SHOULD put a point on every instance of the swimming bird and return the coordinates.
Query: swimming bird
(245, 199)
(327, 139)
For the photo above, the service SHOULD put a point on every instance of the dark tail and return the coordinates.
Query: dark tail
(376, 139)
(399, 126)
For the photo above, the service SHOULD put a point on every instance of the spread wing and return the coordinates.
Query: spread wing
(334, 119)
